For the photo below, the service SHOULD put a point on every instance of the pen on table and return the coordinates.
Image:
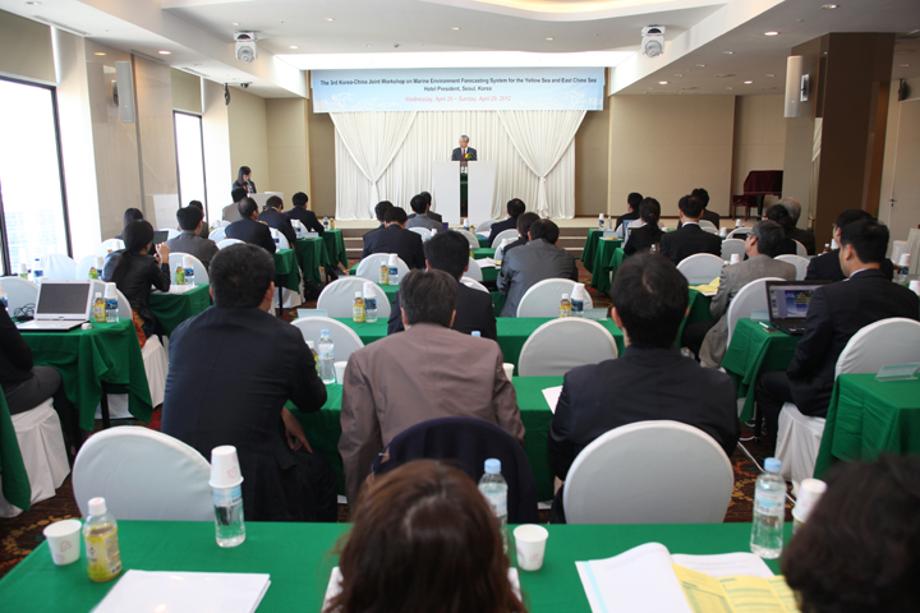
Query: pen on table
(764, 326)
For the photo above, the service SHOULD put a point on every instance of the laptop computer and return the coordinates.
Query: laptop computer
(788, 302)
(160, 236)
(60, 306)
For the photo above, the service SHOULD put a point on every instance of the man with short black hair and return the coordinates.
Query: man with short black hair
(826, 267)
(836, 312)
(231, 212)
(523, 227)
(301, 213)
(394, 238)
(689, 238)
(370, 237)
(274, 218)
(536, 261)
(449, 251)
(249, 229)
(703, 196)
(420, 218)
(426, 372)
(515, 208)
(204, 226)
(189, 240)
(232, 368)
(633, 200)
(651, 380)
(432, 214)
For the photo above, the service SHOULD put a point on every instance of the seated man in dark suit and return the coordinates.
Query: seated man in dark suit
(301, 213)
(515, 207)
(523, 227)
(232, 368)
(394, 238)
(249, 229)
(651, 380)
(690, 238)
(836, 312)
(804, 236)
(432, 214)
(420, 218)
(708, 215)
(645, 233)
(449, 251)
(826, 267)
(273, 216)
(190, 240)
(633, 200)
(370, 237)
(780, 214)
(529, 264)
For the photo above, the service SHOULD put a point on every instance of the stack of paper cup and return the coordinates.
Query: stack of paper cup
(735, 258)
(509, 370)
(810, 492)
(904, 260)
(915, 286)
(392, 259)
(64, 541)
(225, 467)
(530, 545)
(110, 291)
(738, 222)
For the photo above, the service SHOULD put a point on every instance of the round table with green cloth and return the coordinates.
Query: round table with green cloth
(172, 308)
(601, 258)
(755, 349)
(311, 254)
(323, 428)
(335, 252)
(483, 240)
(483, 252)
(867, 417)
(300, 556)
(16, 488)
(287, 271)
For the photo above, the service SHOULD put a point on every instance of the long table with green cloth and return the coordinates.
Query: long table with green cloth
(311, 254)
(483, 252)
(105, 354)
(867, 418)
(172, 308)
(16, 488)
(323, 428)
(601, 257)
(300, 556)
(287, 270)
(756, 348)
(335, 249)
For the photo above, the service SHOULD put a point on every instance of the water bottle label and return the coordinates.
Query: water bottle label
(498, 501)
(765, 505)
(227, 496)
(370, 303)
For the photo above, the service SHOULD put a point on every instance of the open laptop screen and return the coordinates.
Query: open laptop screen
(62, 300)
(790, 300)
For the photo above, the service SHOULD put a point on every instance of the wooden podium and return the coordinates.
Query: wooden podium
(445, 187)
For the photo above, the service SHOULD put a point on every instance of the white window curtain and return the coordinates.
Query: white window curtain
(432, 136)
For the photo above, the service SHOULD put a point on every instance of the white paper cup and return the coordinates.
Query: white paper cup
(530, 544)
(915, 286)
(225, 467)
(509, 370)
(810, 492)
(340, 371)
(64, 541)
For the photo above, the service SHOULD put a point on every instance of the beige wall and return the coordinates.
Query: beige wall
(321, 135)
(25, 48)
(664, 146)
(760, 137)
(592, 151)
(216, 135)
(248, 138)
(156, 137)
(186, 91)
(287, 145)
(900, 176)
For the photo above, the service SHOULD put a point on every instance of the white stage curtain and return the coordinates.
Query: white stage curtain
(548, 145)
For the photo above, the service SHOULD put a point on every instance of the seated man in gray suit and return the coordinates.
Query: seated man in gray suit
(761, 246)
(231, 212)
(189, 241)
(420, 217)
(529, 264)
(426, 372)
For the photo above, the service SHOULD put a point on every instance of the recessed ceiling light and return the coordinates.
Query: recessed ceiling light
(771, 33)
(701, 65)
(729, 88)
(549, 38)
(770, 75)
(829, 7)
(455, 28)
(903, 65)
(748, 82)
(728, 52)
(724, 75)
(293, 47)
(236, 24)
(33, 3)
(678, 74)
(100, 54)
(662, 82)
(164, 52)
(330, 19)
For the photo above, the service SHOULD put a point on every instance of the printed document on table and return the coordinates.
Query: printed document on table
(141, 591)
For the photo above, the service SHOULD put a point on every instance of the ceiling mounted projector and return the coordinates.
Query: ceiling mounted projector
(245, 46)
(652, 41)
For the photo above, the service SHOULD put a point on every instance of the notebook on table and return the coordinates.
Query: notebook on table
(60, 306)
(788, 302)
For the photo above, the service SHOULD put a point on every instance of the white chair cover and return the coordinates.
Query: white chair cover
(226, 242)
(800, 249)
(81, 271)
(897, 248)
(730, 247)
(59, 267)
(300, 231)
(345, 339)
(124, 307)
(177, 258)
(19, 292)
(425, 233)
(656, 472)
(369, 267)
(41, 442)
(542, 299)
(470, 237)
(474, 284)
(485, 227)
(560, 345)
(218, 234)
(708, 226)
(474, 271)
(109, 245)
(280, 239)
(751, 298)
(143, 474)
(800, 263)
(700, 268)
(338, 298)
(739, 233)
(511, 233)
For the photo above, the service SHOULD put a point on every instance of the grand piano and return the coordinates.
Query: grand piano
(759, 183)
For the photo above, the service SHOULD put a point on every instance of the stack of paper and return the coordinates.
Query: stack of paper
(486, 263)
(708, 289)
(155, 592)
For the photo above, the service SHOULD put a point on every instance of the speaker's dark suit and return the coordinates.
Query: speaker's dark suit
(279, 221)
(393, 239)
(307, 218)
(474, 312)
(688, 240)
(254, 232)
(457, 154)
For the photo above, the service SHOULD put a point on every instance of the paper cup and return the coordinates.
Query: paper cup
(915, 286)
(530, 544)
(810, 492)
(64, 541)
(509, 370)
(340, 371)
(225, 467)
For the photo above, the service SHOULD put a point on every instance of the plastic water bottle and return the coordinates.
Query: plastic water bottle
(565, 306)
(383, 275)
(495, 490)
(99, 314)
(100, 534)
(393, 270)
(111, 303)
(37, 271)
(902, 270)
(326, 351)
(227, 497)
(189, 273)
(769, 511)
(476, 334)
(24, 271)
(601, 222)
(578, 300)
(180, 275)
(325, 223)
(370, 304)
(4, 301)
(358, 313)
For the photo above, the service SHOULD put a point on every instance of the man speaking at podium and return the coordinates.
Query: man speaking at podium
(463, 153)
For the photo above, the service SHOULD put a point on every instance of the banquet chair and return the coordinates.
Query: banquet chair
(473, 270)
(800, 249)
(369, 267)
(708, 226)
(82, 268)
(730, 247)
(469, 236)
(485, 228)
(511, 233)
(218, 234)
(281, 241)
(469, 282)
(177, 258)
(889, 341)
(425, 233)
(345, 339)
(226, 242)
(800, 263)
(739, 233)
(542, 299)
(466, 443)
(338, 298)
(143, 474)
(750, 299)
(109, 245)
(700, 268)
(654, 472)
(19, 293)
(59, 267)
(560, 345)
(44, 454)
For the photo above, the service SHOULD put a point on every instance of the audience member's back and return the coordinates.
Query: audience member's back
(690, 238)
(533, 262)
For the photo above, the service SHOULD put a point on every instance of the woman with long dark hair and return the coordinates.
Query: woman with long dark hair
(135, 272)
(642, 237)
(424, 539)
(244, 180)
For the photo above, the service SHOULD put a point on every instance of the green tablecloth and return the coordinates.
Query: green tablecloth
(483, 241)
(512, 332)
(483, 252)
(753, 350)
(287, 273)
(489, 274)
(867, 417)
(171, 309)
(587, 253)
(607, 258)
(323, 428)
(16, 488)
(106, 353)
(299, 557)
(311, 254)
(335, 249)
